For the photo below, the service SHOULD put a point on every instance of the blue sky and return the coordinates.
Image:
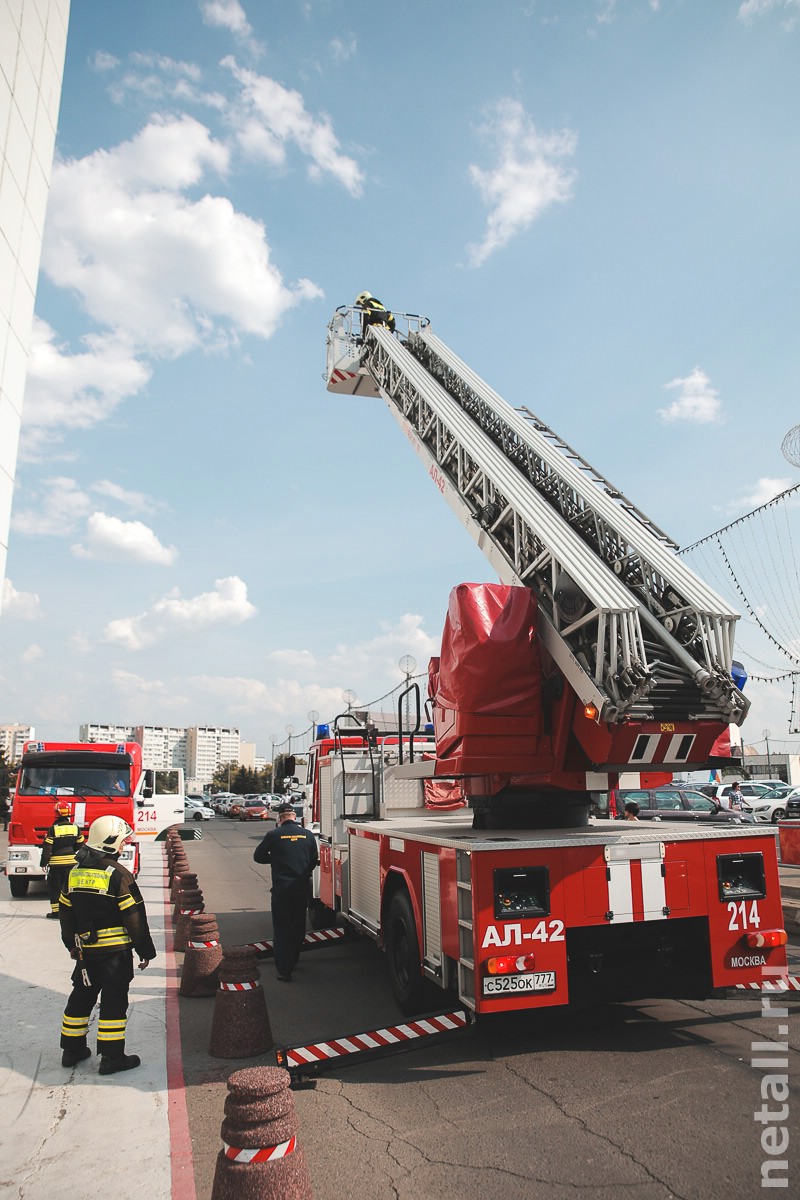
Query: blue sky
(595, 203)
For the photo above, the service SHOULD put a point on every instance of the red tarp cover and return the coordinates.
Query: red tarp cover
(490, 652)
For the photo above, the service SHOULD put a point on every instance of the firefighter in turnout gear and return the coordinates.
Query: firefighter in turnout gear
(373, 313)
(58, 853)
(103, 920)
(291, 852)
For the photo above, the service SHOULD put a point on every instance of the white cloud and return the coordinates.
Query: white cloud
(103, 61)
(136, 686)
(226, 605)
(298, 659)
(226, 14)
(530, 174)
(344, 48)
(31, 654)
(58, 512)
(136, 501)
(751, 9)
(274, 117)
(697, 401)
(383, 652)
(19, 606)
(167, 273)
(74, 391)
(762, 492)
(108, 539)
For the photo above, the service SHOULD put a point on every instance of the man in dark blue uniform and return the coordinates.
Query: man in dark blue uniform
(292, 854)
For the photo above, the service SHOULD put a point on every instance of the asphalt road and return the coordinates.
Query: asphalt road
(647, 1100)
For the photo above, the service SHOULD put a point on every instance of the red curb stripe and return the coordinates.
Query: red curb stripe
(181, 1163)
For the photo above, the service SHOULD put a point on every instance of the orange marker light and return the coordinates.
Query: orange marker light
(769, 937)
(590, 712)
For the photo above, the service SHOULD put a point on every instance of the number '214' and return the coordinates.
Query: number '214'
(742, 916)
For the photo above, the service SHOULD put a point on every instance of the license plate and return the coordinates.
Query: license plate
(20, 870)
(512, 985)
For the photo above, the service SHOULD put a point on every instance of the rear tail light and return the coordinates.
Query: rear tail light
(510, 964)
(768, 937)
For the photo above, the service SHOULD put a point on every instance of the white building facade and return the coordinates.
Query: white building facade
(13, 738)
(33, 39)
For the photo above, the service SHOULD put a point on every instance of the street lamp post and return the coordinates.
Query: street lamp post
(313, 717)
(769, 761)
(349, 698)
(408, 665)
(273, 737)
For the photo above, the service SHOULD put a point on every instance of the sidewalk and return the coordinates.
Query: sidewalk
(58, 1123)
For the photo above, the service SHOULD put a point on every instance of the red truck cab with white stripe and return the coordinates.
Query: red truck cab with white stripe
(94, 778)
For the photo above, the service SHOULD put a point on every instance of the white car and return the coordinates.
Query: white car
(195, 810)
(766, 809)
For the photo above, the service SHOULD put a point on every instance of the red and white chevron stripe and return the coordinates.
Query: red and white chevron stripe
(311, 939)
(190, 912)
(257, 1154)
(240, 987)
(790, 984)
(201, 945)
(339, 376)
(378, 1038)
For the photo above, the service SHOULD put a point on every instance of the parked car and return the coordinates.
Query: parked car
(748, 787)
(793, 804)
(222, 802)
(196, 810)
(671, 803)
(771, 807)
(247, 809)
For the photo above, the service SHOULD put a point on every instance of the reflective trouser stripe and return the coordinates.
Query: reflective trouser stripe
(111, 1031)
(76, 1027)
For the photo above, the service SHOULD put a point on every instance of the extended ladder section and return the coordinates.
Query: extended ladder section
(634, 630)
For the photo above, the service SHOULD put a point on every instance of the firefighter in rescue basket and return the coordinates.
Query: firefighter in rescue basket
(103, 920)
(58, 853)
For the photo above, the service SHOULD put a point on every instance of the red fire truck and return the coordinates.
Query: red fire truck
(94, 778)
(464, 844)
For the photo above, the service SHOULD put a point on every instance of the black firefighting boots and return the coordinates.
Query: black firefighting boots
(71, 1058)
(125, 1062)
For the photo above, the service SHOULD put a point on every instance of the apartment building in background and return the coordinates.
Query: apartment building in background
(209, 747)
(33, 40)
(200, 749)
(13, 738)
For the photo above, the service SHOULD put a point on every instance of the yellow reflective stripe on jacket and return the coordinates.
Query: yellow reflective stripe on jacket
(90, 879)
(126, 902)
(61, 860)
(114, 935)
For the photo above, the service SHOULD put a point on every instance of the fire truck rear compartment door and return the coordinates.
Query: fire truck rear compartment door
(624, 864)
(432, 918)
(365, 887)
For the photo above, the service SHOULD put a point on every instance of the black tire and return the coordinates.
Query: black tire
(198, 816)
(19, 887)
(778, 815)
(320, 916)
(402, 951)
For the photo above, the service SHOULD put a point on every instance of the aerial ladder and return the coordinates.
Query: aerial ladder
(643, 643)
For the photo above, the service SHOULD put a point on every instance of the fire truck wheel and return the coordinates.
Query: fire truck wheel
(320, 916)
(402, 949)
(19, 887)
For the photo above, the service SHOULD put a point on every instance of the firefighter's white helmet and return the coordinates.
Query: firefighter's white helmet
(108, 833)
(362, 297)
